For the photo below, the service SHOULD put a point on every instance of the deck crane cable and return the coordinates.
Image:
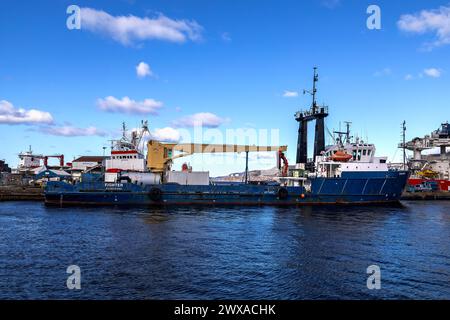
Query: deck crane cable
(330, 134)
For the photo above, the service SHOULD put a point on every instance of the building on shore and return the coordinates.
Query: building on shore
(4, 167)
(87, 163)
(51, 175)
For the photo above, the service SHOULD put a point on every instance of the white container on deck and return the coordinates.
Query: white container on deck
(110, 177)
(145, 178)
(188, 178)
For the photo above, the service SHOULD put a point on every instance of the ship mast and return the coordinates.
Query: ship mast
(404, 144)
(124, 130)
(314, 91)
(144, 129)
(315, 113)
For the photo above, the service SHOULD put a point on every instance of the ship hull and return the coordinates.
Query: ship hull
(443, 185)
(352, 188)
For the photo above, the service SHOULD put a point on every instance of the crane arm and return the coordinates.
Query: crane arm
(192, 148)
(160, 154)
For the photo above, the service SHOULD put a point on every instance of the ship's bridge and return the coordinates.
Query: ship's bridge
(126, 160)
(360, 152)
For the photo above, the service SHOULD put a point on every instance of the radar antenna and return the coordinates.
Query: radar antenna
(314, 91)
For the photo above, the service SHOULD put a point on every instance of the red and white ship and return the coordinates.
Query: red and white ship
(29, 160)
(128, 159)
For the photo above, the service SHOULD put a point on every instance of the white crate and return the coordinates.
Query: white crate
(188, 178)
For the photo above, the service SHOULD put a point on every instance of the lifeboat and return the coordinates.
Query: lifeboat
(341, 156)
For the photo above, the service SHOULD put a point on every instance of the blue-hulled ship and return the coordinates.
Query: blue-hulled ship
(350, 188)
(346, 172)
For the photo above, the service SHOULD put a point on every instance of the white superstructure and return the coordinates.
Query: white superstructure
(130, 160)
(29, 161)
(128, 163)
(350, 156)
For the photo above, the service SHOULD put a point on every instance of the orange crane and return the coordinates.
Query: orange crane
(160, 154)
(282, 157)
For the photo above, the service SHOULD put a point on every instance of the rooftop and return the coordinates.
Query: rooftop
(90, 159)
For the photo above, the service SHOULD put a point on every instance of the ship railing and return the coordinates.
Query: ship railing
(312, 112)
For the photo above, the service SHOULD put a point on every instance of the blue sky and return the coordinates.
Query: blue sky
(227, 63)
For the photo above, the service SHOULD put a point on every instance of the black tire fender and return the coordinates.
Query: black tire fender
(125, 178)
(282, 193)
(155, 194)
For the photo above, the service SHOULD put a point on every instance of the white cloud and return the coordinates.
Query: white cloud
(70, 131)
(127, 105)
(11, 115)
(266, 155)
(435, 21)
(129, 29)
(166, 134)
(383, 72)
(143, 70)
(226, 37)
(290, 94)
(205, 119)
(432, 72)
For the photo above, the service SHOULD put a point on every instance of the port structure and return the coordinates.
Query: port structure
(60, 157)
(317, 113)
(30, 160)
(439, 138)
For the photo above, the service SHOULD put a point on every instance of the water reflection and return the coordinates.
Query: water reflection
(226, 253)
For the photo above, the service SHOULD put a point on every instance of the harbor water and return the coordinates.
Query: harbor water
(225, 253)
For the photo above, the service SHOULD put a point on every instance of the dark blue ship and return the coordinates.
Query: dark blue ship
(344, 173)
(347, 172)
(350, 188)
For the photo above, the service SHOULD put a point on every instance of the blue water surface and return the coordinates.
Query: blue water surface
(225, 253)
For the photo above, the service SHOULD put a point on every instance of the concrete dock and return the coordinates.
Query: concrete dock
(436, 195)
(21, 193)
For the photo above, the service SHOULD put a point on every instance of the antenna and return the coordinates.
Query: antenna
(347, 133)
(404, 144)
(314, 90)
(315, 79)
(124, 129)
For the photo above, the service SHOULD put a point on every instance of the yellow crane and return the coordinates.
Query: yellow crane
(161, 154)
